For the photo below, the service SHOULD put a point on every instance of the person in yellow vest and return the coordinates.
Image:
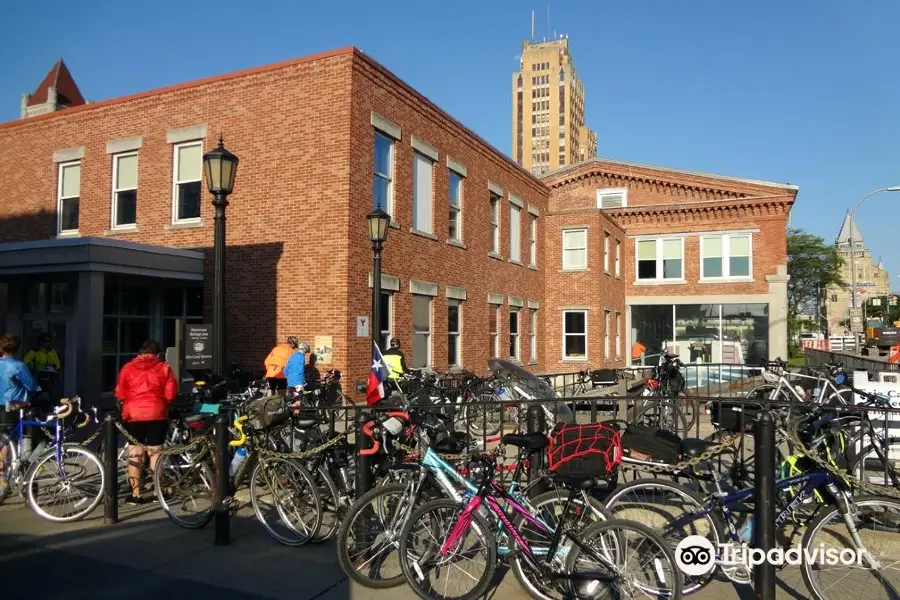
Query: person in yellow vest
(395, 360)
(43, 357)
(275, 362)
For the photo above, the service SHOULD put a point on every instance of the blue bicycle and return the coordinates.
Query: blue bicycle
(61, 482)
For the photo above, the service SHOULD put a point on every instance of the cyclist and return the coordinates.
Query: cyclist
(395, 360)
(146, 387)
(16, 383)
(45, 366)
(313, 377)
(275, 363)
(295, 371)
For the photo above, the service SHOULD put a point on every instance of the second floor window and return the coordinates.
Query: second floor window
(660, 259)
(725, 256)
(455, 231)
(68, 196)
(423, 174)
(606, 252)
(532, 242)
(125, 172)
(574, 250)
(514, 232)
(383, 184)
(495, 223)
(188, 172)
(618, 258)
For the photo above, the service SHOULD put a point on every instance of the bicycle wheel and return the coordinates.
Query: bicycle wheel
(877, 524)
(285, 500)
(330, 499)
(12, 479)
(368, 538)
(878, 464)
(486, 418)
(665, 415)
(637, 558)
(73, 483)
(548, 508)
(185, 489)
(425, 536)
(674, 512)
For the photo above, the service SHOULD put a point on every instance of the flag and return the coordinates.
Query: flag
(377, 375)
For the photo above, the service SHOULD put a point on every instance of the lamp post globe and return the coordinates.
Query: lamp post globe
(220, 167)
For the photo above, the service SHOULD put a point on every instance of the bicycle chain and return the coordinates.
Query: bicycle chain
(684, 465)
(91, 439)
(171, 450)
(302, 454)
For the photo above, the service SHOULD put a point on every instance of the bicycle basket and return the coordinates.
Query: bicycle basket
(265, 413)
(585, 450)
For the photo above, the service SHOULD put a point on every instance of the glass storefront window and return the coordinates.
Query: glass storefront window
(126, 325)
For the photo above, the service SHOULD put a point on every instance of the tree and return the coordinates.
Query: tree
(812, 266)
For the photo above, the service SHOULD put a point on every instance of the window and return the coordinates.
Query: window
(495, 330)
(384, 320)
(574, 249)
(180, 303)
(383, 184)
(532, 335)
(421, 317)
(495, 223)
(455, 232)
(575, 334)
(618, 335)
(606, 252)
(660, 259)
(606, 334)
(834, 297)
(514, 334)
(618, 258)
(725, 256)
(514, 233)
(126, 324)
(612, 198)
(188, 172)
(532, 242)
(423, 170)
(68, 195)
(125, 172)
(454, 346)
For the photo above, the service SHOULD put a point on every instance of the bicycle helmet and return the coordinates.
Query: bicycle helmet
(292, 340)
(304, 347)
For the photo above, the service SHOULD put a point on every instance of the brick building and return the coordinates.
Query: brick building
(108, 239)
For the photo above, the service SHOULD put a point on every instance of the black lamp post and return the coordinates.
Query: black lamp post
(220, 166)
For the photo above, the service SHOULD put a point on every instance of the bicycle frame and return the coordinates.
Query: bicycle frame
(827, 389)
(17, 437)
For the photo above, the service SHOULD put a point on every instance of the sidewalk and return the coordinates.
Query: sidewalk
(146, 557)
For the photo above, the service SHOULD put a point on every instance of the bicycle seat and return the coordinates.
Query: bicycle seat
(526, 441)
(195, 418)
(582, 483)
(693, 447)
(305, 423)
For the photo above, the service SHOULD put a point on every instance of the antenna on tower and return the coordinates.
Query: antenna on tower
(548, 18)
(532, 26)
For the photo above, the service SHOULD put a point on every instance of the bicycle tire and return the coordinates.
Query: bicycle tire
(13, 480)
(479, 525)
(678, 417)
(858, 463)
(345, 532)
(38, 467)
(330, 499)
(603, 529)
(809, 544)
(294, 537)
(206, 476)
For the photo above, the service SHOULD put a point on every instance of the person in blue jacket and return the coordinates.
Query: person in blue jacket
(295, 369)
(16, 385)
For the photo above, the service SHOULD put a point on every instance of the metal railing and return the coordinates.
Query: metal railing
(851, 362)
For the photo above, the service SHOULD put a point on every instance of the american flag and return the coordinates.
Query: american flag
(377, 376)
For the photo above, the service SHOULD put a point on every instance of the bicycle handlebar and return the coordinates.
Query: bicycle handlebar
(239, 425)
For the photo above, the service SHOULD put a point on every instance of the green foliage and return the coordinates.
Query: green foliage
(812, 265)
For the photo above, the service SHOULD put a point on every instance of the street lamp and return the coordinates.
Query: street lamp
(379, 223)
(220, 166)
(859, 202)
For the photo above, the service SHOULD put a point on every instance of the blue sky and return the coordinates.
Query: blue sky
(803, 91)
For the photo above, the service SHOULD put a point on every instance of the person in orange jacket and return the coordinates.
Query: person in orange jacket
(275, 362)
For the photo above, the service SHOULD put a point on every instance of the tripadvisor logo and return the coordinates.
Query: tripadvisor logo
(696, 556)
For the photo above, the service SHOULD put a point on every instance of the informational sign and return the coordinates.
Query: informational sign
(198, 350)
(362, 327)
(324, 349)
(887, 384)
(856, 320)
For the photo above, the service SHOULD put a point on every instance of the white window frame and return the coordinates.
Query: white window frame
(606, 315)
(606, 237)
(496, 216)
(389, 177)
(116, 190)
(457, 342)
(532, 335)
(575, 267)
(618, 335)
(515, 241)
(495, 329)
(726, 257)
(566, 334)
(429, 334)
(60, 198)
(515, 338)
(417, 225)
(532, 248)
(455, 210)
(618, 258)
(603, 193)
(176, 148)
(660, 278)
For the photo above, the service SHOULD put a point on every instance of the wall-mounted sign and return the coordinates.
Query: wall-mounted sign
(198, 351)
(324, 349)
(362, 327)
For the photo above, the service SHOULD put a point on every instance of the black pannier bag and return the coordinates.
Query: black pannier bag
(731, 416)
(585, 451)
(650, 444)
(604, 377)
(265, 413)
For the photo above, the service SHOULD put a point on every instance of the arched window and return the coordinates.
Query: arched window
(519, 82)
(562, 75)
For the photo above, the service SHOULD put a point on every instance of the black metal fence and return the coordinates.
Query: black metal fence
(851, 362)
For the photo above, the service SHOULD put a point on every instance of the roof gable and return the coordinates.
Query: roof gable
(848, 229)
(59, 77)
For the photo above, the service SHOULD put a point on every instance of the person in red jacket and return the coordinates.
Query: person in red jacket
(146, 387)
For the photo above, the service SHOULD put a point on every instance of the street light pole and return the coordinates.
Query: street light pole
(377, 246)
(859, 202)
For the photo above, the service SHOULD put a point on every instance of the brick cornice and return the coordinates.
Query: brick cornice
(703, 213)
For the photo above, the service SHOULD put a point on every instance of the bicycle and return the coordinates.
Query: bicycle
(55, 472)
